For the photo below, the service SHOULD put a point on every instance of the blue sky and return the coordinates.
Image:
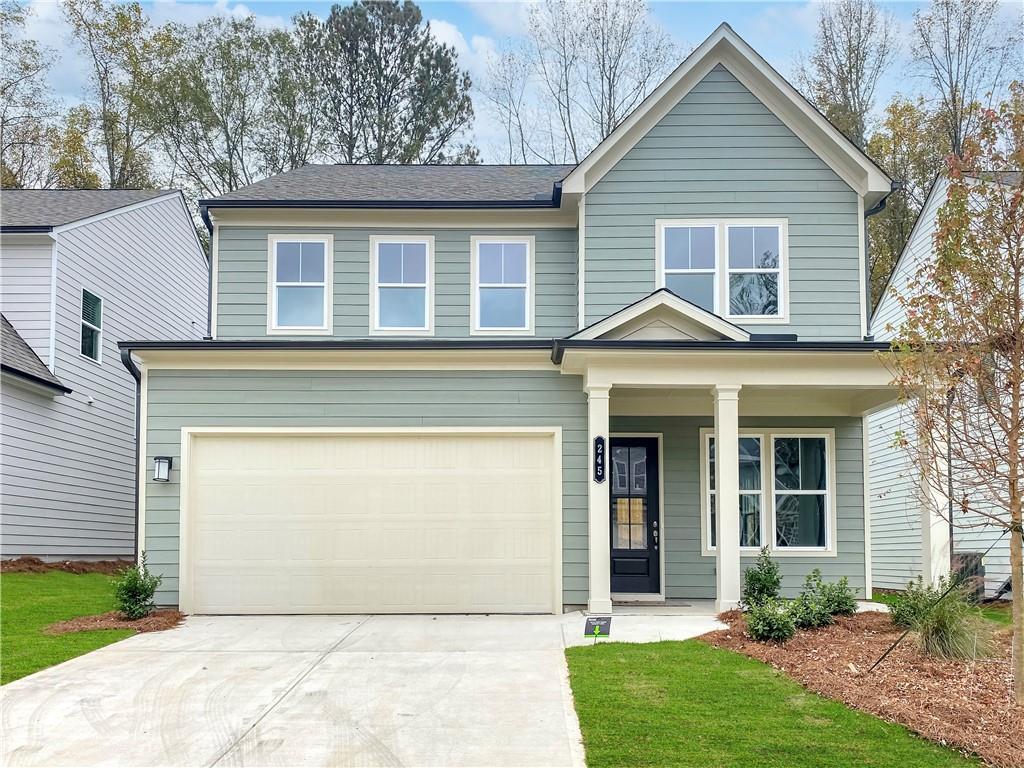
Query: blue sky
(780, 31)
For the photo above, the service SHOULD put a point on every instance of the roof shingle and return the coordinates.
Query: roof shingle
(44, 209)
(19, 358)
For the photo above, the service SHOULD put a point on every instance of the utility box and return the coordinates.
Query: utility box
(969, 569)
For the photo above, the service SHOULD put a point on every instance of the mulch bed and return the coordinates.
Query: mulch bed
(166, 618)
(35, 565)
(966, 706)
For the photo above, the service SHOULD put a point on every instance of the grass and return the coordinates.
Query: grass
(688, 704)
(998, 613)
(29, 602)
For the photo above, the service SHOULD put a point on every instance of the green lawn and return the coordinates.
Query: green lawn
(31, 601)
(688, 704)
(998, 613)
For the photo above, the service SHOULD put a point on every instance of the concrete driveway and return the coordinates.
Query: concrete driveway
(314, 691)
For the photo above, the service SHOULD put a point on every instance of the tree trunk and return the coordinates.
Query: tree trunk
(1017, 663)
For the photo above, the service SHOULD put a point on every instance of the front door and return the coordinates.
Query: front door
(636, 563)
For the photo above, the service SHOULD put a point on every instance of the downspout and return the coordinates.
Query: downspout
(133, 369)
(877, 208)
(204, 214)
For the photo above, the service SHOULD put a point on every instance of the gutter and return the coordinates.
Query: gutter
(399, 204)
(25, 229)
(35, 379)
(133, 369)
(127, 347)
(560, 346)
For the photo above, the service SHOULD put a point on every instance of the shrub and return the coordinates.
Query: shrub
(952, 628)
(770, 621)
(809, 611)
(835, 599)
(134, 588)
(761, 581)
(908, 608)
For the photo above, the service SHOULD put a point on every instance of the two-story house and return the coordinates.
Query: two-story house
(492, 388)
(80, 271)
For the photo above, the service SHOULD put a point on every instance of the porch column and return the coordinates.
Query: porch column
(598, 532)
(727, 496)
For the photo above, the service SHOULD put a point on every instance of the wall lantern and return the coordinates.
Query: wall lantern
(162, 469)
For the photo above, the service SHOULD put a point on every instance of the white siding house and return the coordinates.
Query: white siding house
(82, 270)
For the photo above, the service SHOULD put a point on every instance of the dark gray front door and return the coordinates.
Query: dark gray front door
(636, 563)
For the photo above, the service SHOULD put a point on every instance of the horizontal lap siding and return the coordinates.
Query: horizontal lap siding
(242, 279)
(721, 153)
(27, 273)
(688, 573)
(364, 399)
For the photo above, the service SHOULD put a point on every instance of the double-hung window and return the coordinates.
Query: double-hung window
(786, 491)
(502, 292)
(92, 326)
(730, 267)
(401, 301)
(300, 284)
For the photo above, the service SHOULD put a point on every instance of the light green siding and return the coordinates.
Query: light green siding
(721, 153)
(363, 398)
(688, 573)
(242, 279)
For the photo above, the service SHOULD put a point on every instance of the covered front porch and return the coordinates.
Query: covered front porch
(773, 431)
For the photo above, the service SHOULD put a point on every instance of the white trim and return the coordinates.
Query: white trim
(143, 455)
(658, 596)
(327, 328)
(52, 348)
(427, 329)
(474, 286)
(865, 452)
(581, 265)
(727, 48)
(116, 212)
(186, 596)
(722, 270)
(862, 261)
(98, 360)
(214, 277)
(669, 301)
(768, 435)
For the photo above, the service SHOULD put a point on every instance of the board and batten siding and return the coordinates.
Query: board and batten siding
(896, 512)
(242, 271)
(720, 153)
(69, 461)
(26, 269)
(691, 575)
(511, 398)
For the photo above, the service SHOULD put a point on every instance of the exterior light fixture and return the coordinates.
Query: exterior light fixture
(162, 469)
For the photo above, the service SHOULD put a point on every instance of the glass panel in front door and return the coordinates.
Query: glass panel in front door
(629, 497)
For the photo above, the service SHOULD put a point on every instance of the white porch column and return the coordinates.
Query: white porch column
(598, 531)
(727, 495)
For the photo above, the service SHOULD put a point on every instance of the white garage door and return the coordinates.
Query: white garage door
(428, 522)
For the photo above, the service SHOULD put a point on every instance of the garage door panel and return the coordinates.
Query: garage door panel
(365, 523)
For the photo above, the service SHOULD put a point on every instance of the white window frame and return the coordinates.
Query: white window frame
(427, 329)
(722, 270)
(475, 285)
(327, 328)
(98, 360)
(768, 492)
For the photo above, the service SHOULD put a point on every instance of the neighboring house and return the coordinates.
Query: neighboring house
(500, 388)
(911, 538)
(80, 271)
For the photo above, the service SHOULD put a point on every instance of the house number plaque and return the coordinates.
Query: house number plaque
(599, 459)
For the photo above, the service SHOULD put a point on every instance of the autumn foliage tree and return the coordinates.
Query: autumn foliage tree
(959, 356)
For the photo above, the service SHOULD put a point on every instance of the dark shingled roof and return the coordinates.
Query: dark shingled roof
(17, 357)
(43, 209)
(404, 185)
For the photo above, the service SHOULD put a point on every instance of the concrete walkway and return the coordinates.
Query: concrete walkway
(319, 691)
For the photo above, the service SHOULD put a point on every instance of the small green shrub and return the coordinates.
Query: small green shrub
(809, 611)
(761, 581)
(953, 628)
(134, 588)
(837, 599)
(910, 606)
(770, 621)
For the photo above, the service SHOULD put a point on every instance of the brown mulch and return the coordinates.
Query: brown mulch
(35, 565)
(165, 618)
(964, 705)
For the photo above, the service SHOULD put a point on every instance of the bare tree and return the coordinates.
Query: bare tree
(854, 45)
(968, 56)
(585, 67)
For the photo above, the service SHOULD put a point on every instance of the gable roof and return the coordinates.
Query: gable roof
(403, 186)
(41, 210)
(663, 299)
(18, 358)
(724, 47)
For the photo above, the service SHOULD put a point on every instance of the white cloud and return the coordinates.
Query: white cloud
(508, 18)
(473, 54)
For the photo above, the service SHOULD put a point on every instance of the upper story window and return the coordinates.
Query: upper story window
(92, 326)
(402, 285)
(733, 268)
(502, 292)
(300, 284)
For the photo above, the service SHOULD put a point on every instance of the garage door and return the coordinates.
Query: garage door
(389, 523)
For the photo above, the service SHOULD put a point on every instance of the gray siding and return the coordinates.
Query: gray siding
(26, 268)
(242, 279)
(364, 398)
(69, 462)
(721, 153)
(688, 573)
